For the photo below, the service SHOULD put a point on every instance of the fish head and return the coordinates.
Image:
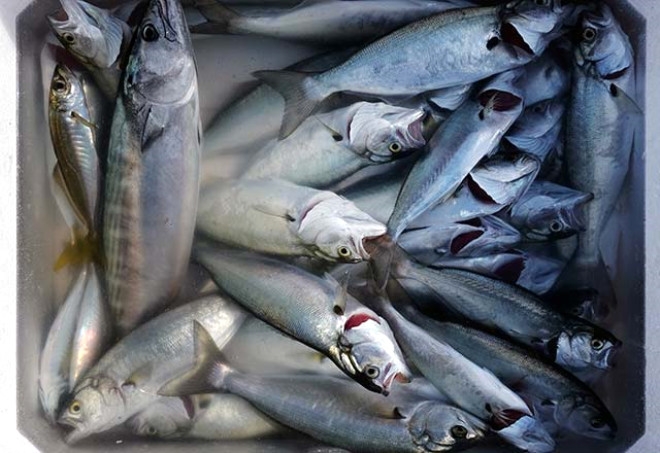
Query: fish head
(539, 118)
(585, 346)
(383, 132)
(162, 67)
(586, 415)
(527, 433)
(97, 404)
(531, 25)
(65, 89)
(90, 33)
(435, 426)
(496, 235)
(369, 345)
(168, 418)
(604, 48)
(337, 228)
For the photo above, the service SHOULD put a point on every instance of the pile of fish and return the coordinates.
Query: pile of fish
(382, 274)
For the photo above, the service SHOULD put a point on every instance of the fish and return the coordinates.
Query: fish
(273, 216)
(321, 22)
(313, 310)
(582, 303)
(601, 120)
(502, 307)
(328, 148)
(481, 236)
(96, 38)
(546, 78)
(467, 385)
(410, 60)
(548, 211)
(360, 422)
(575, 407)
(73, 134)
(166, 418)
(471, 133)
(126, 379)
(538, 129)
(153, 168)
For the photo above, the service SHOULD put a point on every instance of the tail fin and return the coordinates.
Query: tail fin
(381, 256)
(221, 19)
(207, 375)
(299, 101)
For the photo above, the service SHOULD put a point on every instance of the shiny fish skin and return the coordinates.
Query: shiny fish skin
(539, 128)
(74, 140)
(328, 148)
(465, 38)
(152, 181)
(127, 377)
(277, 217)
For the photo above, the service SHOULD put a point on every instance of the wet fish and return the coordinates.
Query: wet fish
(328, 148)
(491, 39)
(312, 310)
(73, 134)
(538, 129)
(360, 422)
(125, 380)
(549, 211)
(96, 38)
(546, 78)
(273, 216)
(581, 302)
(152, 180)
(324, 22)
(471, 133)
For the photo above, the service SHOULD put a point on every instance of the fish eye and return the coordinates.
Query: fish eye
(59, 85)
(555, 226)
(343, 252)
(149, 33)
(395, 147)
(589, 34)
(597, 422)
(151, 431)
(371, 371)
(458, 432)
(69, 38)
(597, 344)
(75, 407)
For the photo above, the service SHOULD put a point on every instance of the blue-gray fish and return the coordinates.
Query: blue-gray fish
(277, 217)
(96, 38)
(152, 180)
(452, 48)
(546, 78)
(360, 421)
(327, 148)
(539, 128)
(548, 211)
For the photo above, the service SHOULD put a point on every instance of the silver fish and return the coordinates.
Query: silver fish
(273, 216)
(324, 22)
(96, 38)
(581, 302)
(480, 236)
(601, 123)
(73, 134)
(152, 180)
(538, 129)
(126, 379)
(166, 418)
(312, 310)
(467, 136)
(549, 211)
(360, 422)
(463, 45)
(545, 79)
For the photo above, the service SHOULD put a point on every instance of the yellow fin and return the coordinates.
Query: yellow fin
(82, 248)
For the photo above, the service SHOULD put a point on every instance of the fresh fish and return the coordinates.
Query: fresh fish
(330, 147)
(56, 355)
(601, 122)
(322, 22)
(152, 180)
(576, 407)
(126, 379)
(278, 217)
(538, 129)
(73, 134)
(452, 48)
(465, 384)
(580, 302)
(476, 237)
(497, 305)
(312, 310)
(467, 136)
(546, 78)
(166, 418)
(96, 38)
(549, 211)
(360, 421)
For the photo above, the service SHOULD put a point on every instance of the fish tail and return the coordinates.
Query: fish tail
(221, 19)
(381, 256)
(209, 372)
(83, 248)
(302, 96)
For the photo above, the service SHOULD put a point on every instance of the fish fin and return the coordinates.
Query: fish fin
(336, 136)
(220, 16)
(269, 210)
(339, 304)
(627, 102)
(82, 248)
(154, 127)
(300, 101)
(139, 376)
(208, 373)
(381, 258)
(81, 119)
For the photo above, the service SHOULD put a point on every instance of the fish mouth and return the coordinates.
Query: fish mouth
(431, 445)
(59, 18)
